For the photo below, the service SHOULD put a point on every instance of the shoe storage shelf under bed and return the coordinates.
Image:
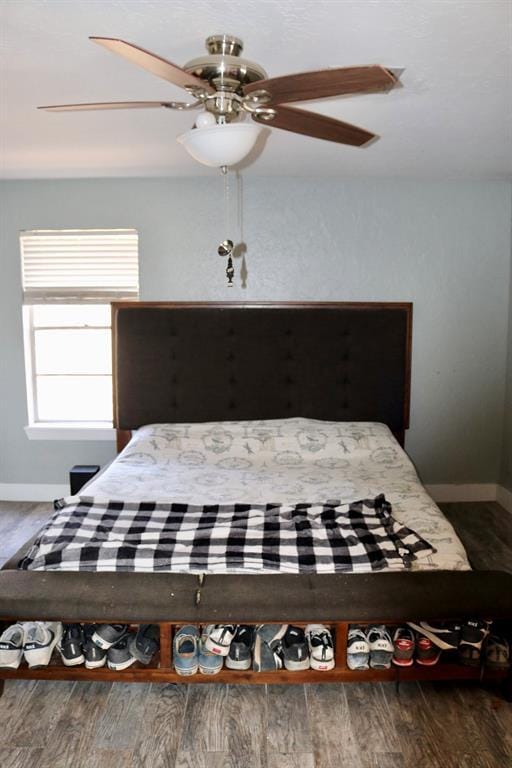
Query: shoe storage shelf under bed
(161, 669)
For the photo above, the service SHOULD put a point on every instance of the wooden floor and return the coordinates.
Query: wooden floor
(95, 725)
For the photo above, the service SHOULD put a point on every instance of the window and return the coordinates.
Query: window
(69, 279)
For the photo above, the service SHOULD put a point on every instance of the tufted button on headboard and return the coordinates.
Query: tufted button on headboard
(214, 362)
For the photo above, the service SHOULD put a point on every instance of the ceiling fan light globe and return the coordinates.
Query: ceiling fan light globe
(220, 145)
(204, 119)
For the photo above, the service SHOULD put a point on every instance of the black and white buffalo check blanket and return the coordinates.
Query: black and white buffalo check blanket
(86, 534)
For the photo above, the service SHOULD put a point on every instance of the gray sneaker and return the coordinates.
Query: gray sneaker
(107, 635)
(119, 656)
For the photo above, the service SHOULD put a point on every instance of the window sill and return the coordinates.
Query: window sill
(54, 431)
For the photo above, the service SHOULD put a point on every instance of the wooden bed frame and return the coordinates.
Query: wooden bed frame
(248, 348)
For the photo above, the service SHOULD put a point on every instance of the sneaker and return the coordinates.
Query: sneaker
(444, 634)
(106, 635)
(145, 643)
(381, 647)
(95, 657)
(295, 649)
(209, 663)
(41, 637)
(185, 650)
(70, 646)
(119, 655)
(358, 649)
(404, 643)
(268, 647)
(219, 639)
(427, 654)
(11, 646)
(472, 636)
(239, 656)
(321, 650)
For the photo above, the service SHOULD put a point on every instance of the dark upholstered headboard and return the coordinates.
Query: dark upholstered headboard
(213, 362)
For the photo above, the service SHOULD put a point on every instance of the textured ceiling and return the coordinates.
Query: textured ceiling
(452, 118)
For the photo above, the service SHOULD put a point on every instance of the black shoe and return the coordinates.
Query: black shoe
(239, 656)
(95, 657)
(119, 655)
(145, 643)
(472, 636)
(106, 635)
(295, 649)
(70, 646)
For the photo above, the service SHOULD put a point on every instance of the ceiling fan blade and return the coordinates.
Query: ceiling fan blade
(305, 86)
(153, 63)
(105, 105)
(317, 126)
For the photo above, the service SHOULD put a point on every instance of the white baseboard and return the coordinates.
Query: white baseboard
(32, 491)
(504, 497)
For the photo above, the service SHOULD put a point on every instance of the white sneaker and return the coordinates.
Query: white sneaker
(321, 650)
(41, 637)
(11, 646)
(219, 638)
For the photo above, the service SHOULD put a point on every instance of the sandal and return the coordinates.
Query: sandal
(497, 653)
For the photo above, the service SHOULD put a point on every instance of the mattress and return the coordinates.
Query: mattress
(288, 461)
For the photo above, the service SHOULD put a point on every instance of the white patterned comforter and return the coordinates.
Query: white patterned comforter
(283, 460)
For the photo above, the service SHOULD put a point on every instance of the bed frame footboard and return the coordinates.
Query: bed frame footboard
(170, 600)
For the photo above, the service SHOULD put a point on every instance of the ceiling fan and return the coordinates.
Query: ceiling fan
(228, 87)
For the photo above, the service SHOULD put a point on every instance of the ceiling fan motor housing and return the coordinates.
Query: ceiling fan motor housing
(223, 67)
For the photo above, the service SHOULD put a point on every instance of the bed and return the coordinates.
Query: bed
(232, 404)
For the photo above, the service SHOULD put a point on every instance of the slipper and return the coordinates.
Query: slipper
(497, 653)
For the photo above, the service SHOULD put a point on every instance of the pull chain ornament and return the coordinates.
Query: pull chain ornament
(226, 246)
(230, 272)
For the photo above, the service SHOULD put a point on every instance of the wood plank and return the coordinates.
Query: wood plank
(288, 729)
(247, 716)
(372, 725)
(295, 760)
(119, 726)
(35, 723)
(161, 726)
(188, 759)
(415, 729)
(18, 522)
(485, 530)
(74, 732)
(206, 724)
(108, 758)
(15, 697)
(491, 734)
(386, 760)
(20, 758)
(334, 744)
(454, 734)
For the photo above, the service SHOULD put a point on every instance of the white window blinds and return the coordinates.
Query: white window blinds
(70, 265)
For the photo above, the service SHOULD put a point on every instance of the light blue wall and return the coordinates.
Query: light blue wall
(444, 246)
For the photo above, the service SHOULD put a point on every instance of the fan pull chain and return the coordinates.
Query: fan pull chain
(226, 246)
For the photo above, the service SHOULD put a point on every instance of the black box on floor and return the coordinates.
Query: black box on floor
(80, 474)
